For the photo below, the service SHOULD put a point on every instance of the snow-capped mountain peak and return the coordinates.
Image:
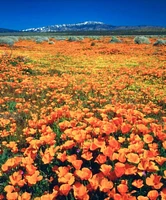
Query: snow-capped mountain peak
(87, 25)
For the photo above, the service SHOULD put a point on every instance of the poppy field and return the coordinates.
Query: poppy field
(83, 120)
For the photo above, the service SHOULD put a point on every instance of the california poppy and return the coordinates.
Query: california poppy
(105, 169)
(101, 159)
(64, 189)
(62, 171)
(142, 128)
(12, 196)
(125, 128)
(154, 181)
(84, 173)
(130, 169)
(105, 185)
(119, 169)
(142, 198)
(77, 164)
(122, 188)
(148, 138)
(67, 178)
(9, 188)
(87, 155)
(80, 191)
(25, 196)
(133, 158)
(138, 183)
(163, 193)
(34, 178)
(153, 194)
(16, 179)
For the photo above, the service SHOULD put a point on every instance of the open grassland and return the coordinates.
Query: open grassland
(83, 120)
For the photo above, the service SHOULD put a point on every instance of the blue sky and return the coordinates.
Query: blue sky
(21, 14)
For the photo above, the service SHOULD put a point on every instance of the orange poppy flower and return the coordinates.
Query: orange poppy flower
(12, 196)
(62, 171)
(80, 191)
(11, 162)
(63, 125)
(117, 121)
(163, 193)
(105, 185)
(118, 197)
(122, 188)
(154, 181)
(67, 178)
(68, 144)
(123, 197)
(46, 197)
(84, 174)
(121, 140)
(142, 198)
(30, 169)
(113, 143)
(101, 159)
(125, 128)
(62, 156)
(77, 164)
(142, 128)
(87, 155)
(64, 189)
(143, 165)
(16, 179)
(48, 155)
(93, 146)
(107, 151)
(109, 127)
(25, 196)
(160, 160)
(34, 178)
(26, 161)
(94, 181)
(122, 157)
(71, 158)
(153, 194)
(100, 143)
(105, 169)
(119, 169)
(152, 167)
(148, 138)
(9, 188)
(138, 183)
(133, 158)
(13, 146)
(130, 169)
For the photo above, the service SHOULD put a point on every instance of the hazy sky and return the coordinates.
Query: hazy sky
(21, 14)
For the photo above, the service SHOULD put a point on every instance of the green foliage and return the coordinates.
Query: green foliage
(7, 41)
(72, 39)
(41, 39)
(141, 40)
(160, 42)
(58, 132)
(115, 40)
(11, 106)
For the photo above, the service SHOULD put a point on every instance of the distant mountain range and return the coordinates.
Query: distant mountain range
(86, 26)
(4, 30)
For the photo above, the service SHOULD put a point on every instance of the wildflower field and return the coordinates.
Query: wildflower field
(83, 120)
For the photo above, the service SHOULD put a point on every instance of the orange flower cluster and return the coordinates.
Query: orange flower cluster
(82, 121)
